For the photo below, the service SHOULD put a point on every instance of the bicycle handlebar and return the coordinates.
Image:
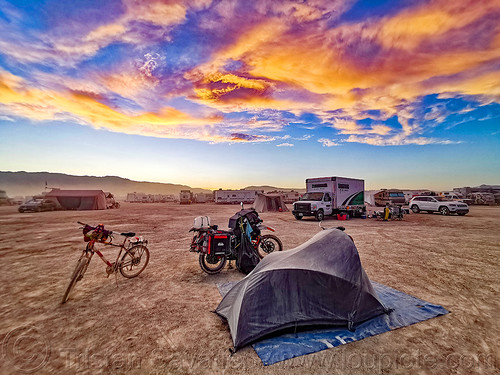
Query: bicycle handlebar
(110, 232)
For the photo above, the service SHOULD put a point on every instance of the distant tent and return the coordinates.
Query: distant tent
(320, 282)
(79, 199)
(269, 203)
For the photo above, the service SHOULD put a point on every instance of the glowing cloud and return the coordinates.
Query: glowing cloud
(239, 71)
(84, 108)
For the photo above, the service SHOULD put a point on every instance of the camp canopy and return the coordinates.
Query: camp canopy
(79, 199)
(320, 282)
(269, 203)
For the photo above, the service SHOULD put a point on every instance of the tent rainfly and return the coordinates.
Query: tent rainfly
(269, 203)
(79, 199)
(320, 282)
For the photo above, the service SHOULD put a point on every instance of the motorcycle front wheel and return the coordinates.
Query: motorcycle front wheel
(212, 264)
(267, 244)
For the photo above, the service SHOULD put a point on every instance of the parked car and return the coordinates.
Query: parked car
(37, 205)
(4, 199)
(438, 204)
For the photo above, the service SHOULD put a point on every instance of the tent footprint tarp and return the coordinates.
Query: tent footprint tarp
(406, 310)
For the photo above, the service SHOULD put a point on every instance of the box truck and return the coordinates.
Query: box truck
(331, 196)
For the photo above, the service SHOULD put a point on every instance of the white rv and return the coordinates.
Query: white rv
(330, 196)
(235, 196)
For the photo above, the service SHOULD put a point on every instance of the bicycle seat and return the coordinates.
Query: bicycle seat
(128, 234)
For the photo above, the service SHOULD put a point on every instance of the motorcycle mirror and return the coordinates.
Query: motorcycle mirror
(241, 204)
(323, 228)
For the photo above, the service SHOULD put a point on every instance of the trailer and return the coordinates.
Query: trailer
(331, 196)
(288, 196)
(391, 196)
(235, 196)
(200, 198)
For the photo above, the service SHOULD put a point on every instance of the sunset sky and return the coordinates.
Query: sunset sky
(235, 93)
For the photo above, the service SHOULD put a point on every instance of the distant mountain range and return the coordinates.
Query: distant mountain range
(30, 183)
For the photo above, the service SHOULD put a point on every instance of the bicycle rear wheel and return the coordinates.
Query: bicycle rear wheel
(80, 269)
(134, 261)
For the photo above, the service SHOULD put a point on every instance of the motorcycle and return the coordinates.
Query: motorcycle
(243, 242)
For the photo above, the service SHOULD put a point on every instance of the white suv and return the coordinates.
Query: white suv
(438, 204)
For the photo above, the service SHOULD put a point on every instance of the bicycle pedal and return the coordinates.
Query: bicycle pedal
(110, 269)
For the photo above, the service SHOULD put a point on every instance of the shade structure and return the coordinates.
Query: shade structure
(270, 203)
(320, 282)
(79, 199)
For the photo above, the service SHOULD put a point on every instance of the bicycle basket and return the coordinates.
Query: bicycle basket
(98, 233)
(86, 233)
(103, 235)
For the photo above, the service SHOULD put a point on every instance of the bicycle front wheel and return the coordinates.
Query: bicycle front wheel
(80, 269)
(134, 261)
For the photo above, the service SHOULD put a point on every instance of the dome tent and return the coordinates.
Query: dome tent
(320, 282)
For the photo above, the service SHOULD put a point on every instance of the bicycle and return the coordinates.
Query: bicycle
(134, 260)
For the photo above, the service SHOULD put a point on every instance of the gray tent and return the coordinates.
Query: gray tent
(321, 282)
(269, 203)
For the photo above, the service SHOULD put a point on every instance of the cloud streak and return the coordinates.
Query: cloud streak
(328, 142)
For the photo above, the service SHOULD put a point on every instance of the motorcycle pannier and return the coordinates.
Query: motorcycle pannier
(201, 222)
(218, 243)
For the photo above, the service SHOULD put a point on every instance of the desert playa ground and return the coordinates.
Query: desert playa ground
(161, 322)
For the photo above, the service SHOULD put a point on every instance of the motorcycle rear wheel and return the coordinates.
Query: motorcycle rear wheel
(212, 268)
(267, 244)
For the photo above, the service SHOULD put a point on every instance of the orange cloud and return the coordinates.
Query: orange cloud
(321, 61)
(38, 104)
(210, 90)
(18, 99)
(412, 26)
